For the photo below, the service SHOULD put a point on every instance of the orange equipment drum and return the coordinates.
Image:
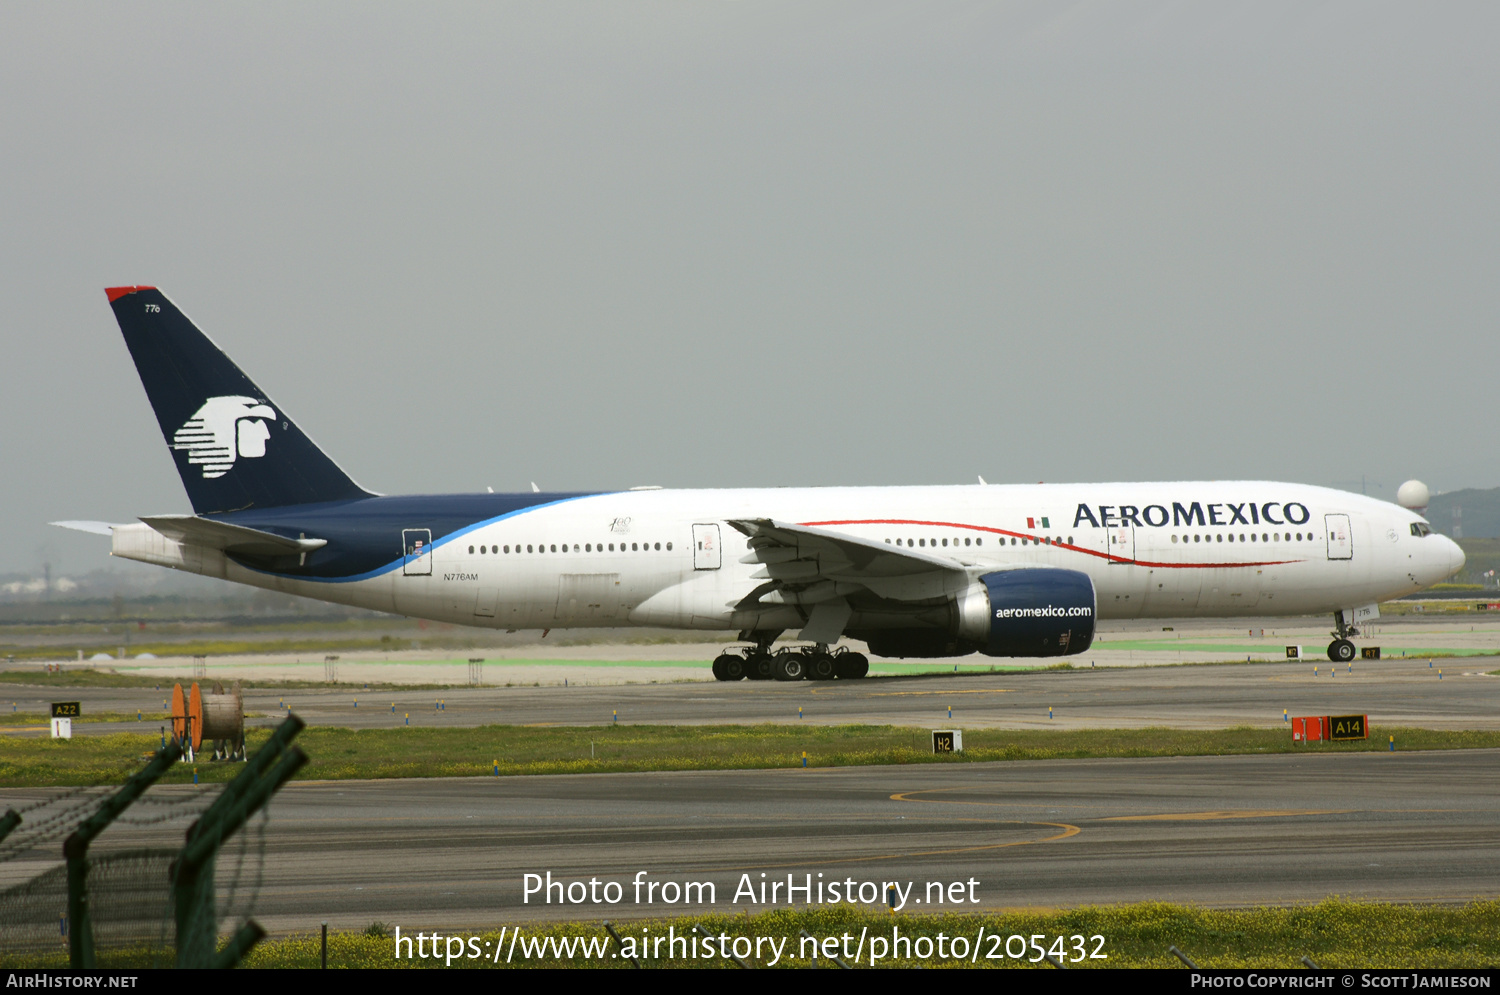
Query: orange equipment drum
(217, 716)
(195, 713)
(179, 712)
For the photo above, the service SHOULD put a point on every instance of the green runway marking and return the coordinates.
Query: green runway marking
(882, 667)
(1400, 652)
(1154, 646)
(509, 662)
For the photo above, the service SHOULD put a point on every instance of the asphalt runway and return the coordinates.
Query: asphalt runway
(1450, 694)
(1218, 831)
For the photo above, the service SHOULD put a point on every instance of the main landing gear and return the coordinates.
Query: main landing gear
(1341, 650)
(811, 663)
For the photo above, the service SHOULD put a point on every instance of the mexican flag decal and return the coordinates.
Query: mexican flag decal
(1031, 523)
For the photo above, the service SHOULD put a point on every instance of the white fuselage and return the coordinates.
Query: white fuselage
(648, 558)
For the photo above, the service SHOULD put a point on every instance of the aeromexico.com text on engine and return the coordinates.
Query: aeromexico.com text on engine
(1048, 612)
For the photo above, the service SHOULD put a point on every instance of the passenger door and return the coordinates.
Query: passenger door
(416, 545)
(1340, 537)
(1121, 546)
(706, 552)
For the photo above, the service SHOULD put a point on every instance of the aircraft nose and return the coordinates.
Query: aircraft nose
(1456, 557)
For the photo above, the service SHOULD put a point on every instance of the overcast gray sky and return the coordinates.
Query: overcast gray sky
(726, 244)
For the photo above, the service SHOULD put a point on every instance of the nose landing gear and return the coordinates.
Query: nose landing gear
(1341, 650)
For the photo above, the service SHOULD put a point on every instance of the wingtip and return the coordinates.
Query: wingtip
(115, 293)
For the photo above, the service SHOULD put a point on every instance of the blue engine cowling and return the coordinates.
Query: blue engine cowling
(1034, 611)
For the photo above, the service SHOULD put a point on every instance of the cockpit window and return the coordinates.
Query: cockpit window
(1420, 529)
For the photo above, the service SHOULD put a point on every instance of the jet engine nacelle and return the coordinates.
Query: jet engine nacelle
(1033, 611)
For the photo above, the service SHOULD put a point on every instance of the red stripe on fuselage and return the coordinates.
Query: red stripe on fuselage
(1058, 545)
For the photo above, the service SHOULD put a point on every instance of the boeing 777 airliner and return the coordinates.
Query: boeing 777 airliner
(1006, 571)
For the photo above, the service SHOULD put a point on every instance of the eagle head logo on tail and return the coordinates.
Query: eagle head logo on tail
(224, 429)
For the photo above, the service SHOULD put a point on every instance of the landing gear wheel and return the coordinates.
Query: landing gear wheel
(1341, 651)
(851, 666)
(790, 666)
(759, 667)
(820, 667)
(729, 667)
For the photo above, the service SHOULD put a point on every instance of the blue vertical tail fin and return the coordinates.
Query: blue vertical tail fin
(234, 448)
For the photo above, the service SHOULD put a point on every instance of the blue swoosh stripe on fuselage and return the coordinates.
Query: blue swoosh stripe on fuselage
(363, 533)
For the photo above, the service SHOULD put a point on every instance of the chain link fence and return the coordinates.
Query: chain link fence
(130, 877)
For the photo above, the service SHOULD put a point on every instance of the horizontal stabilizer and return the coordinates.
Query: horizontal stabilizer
(97, 528)
(191, 530)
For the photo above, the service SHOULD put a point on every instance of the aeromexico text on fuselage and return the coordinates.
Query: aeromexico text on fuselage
(1204, 513)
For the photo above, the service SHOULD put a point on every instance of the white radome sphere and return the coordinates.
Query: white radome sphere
(1413, 495)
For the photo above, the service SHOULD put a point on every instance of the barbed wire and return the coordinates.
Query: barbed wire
(71, 807)
(130, 890)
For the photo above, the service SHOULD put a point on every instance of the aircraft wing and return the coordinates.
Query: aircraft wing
(807, 565)
(231, 538)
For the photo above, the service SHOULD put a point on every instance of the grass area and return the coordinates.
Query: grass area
(321, 636)
(344, 754)
(1334, 934)
(88, 678)
(221, 647)
(44, 718)
(83, 678)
